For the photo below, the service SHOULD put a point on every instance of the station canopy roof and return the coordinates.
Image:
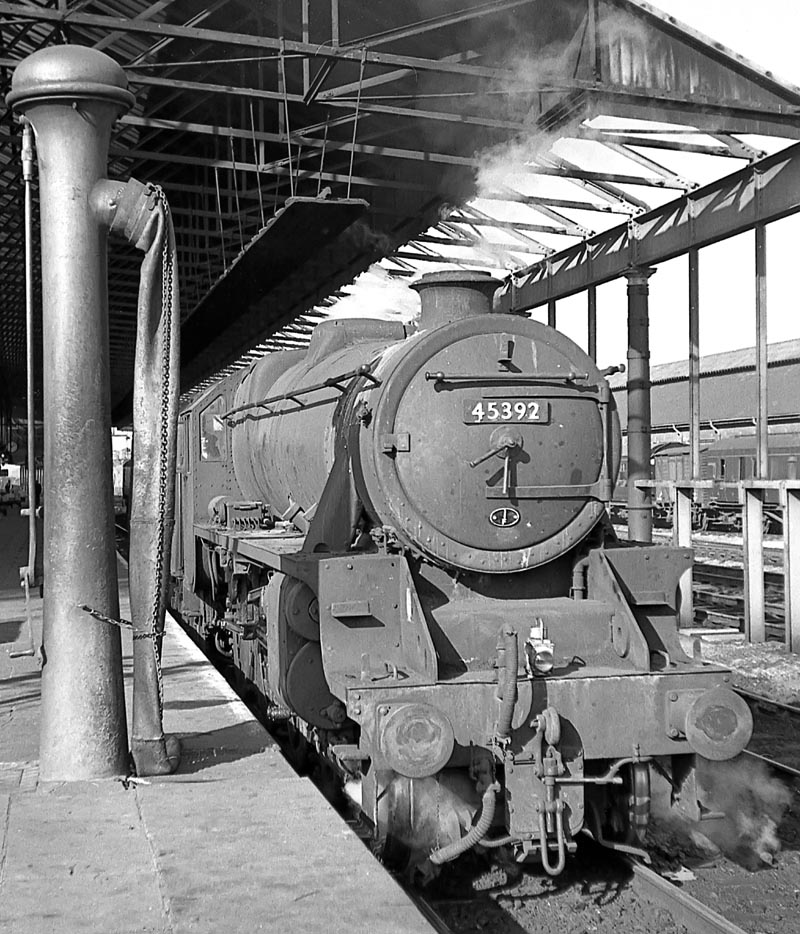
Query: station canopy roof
(302, 143)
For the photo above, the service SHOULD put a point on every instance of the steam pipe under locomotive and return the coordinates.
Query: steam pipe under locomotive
(402, 538)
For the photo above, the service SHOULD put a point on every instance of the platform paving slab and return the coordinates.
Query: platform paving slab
(234, 841)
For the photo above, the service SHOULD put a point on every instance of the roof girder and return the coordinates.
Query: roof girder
(755, 195)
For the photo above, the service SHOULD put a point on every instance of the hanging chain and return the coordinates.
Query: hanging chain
(322, 154)
(282, 59)
(236, 192)
(257, 160)
(119, 623)
(167, 312)
(219, 219)
(355, 118)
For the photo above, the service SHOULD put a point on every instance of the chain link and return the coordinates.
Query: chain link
(167, 312)
(96, 614)
(119, 623)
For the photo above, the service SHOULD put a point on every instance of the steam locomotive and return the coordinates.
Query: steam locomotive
(401, 539)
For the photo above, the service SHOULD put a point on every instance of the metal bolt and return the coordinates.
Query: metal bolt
(357, 709)
(727, 678)
(349, 567)
(383, 710)
(356, 696)
(673, 732)
(673, 696)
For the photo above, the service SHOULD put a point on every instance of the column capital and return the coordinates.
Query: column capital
(638, 275)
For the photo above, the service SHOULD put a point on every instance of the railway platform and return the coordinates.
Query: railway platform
(234, 841)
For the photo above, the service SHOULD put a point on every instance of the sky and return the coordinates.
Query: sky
(767, 35)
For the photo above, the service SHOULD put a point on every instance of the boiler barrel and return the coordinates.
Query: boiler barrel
(283, 450)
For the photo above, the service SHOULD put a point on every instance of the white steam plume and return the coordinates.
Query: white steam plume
(627, 44)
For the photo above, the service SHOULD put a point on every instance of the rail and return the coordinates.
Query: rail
(751, 496)
(684, 908)
(774, 709)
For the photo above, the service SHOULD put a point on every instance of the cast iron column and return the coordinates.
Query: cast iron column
(72, 95)
(640, 516)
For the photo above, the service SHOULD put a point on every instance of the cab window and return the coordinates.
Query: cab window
(213, 439)
(180, 454)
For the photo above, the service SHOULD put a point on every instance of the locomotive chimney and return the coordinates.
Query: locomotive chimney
(454, 294)
(71, 96)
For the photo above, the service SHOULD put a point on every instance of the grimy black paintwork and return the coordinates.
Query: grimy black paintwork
(400, 537)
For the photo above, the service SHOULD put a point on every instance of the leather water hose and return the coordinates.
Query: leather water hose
(142, 216)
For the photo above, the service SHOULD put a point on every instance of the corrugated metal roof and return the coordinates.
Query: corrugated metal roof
(778, 354)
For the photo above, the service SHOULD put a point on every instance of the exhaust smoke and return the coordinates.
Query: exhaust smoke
(754, 804)
(748, 805)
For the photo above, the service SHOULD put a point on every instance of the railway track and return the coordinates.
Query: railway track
(685, 909)
(732, 576)
(732, 555)
(775, 726)
(718, 578)
(604, 893)
(720, 548)
(719, 596)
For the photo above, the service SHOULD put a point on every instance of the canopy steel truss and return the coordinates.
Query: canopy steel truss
(242, 106)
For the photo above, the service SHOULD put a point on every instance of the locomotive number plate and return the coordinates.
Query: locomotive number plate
(520, 411)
